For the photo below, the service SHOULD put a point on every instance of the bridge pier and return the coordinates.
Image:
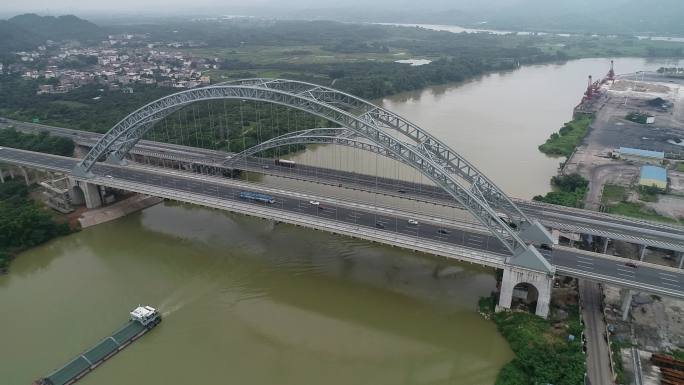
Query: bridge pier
(605, 245)
(642, 253)
(514, 276)
(626, 297)
(91, 194)
(26, 177)
(681, 259)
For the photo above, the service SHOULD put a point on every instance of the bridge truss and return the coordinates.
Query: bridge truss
(365, 126)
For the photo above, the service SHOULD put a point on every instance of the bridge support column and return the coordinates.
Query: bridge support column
(2, 176)
(626, 296)
(91, 192)
(643, 252)
(513, 276)
(26, 177)
(605, 245)
(681, 259)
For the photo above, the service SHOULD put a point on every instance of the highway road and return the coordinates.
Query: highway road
(562, 218)
(646, 277)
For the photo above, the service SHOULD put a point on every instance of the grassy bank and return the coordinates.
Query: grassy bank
(543, 352)
(638, 210)
(569, 191)
(23, 223)
(564, 142)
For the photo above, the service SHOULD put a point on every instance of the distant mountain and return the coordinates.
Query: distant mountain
(68, 27)
(15, 38)
(25, 32)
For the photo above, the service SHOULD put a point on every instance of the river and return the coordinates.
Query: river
(495, 121)
(246, 301)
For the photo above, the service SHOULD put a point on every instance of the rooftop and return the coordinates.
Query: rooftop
(653, 173)
(642, 153)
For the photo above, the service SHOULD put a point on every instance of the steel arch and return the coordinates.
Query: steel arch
(131, 129)
(339, 136)
(382, 118)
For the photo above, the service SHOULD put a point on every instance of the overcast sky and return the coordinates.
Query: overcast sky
(56, 7)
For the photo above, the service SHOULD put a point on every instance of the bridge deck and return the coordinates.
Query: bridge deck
(359, 220)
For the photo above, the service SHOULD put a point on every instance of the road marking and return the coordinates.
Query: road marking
(669, 279)
(586, 263)
(626, 271)
(585, 259)
(625, 275)
(668, 275)
(670, 284)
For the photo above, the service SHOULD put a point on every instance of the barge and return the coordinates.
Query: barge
(142, 319)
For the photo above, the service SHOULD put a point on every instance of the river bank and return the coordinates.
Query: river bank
(23, 222)
(546, 350)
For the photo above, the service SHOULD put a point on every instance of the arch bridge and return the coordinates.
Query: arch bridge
(362, 125)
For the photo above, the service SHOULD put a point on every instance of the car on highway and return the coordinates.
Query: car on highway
(266, 167)
(546, 247)
(108, 176)
(413, 222)
(401, 191)
(444, 231)
(380, 225)
(631, 264)
(314, 203)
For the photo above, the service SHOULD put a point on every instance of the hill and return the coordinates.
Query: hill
(25, 32)
(67, 27)
(16, 38)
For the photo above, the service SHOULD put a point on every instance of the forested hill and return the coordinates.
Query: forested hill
(16, 38)
(24, 32)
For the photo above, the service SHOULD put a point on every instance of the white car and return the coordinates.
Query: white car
(108, 176)
(412, 222)
(315, 203)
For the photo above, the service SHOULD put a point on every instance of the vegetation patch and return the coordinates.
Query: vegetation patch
(613, 193)
(564, 142)
(680, 167)
(543, 355)
(649, 193)
(678, 354)
(638, 210)
(23, 223)
(41, 142)
(569, 191)
(616, 347)
(638, 117)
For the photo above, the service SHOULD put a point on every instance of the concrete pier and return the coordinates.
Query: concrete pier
(514, 276)
(626, 296)
(91, 192)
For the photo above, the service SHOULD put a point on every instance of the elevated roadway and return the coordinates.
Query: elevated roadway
(557, 217)
(385, 225)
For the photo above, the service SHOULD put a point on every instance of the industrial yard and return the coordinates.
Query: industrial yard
(633, 158)
(619, 149)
